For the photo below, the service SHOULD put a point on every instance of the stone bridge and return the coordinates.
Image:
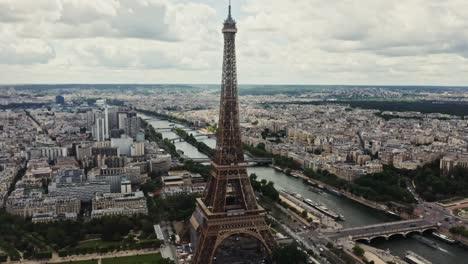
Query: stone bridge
(247, 159)
(172, 128)
(385, 230)
(195, 136)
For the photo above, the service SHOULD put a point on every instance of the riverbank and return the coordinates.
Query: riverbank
(162, 116)
(335, 191)
(376, 255)
(371, 204)
(154, 136)
(189, 138)
(317, 217)
(292, 209)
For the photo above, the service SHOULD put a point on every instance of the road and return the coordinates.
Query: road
(383, 229)
(169, 251)
(302, 239)
(436, 213)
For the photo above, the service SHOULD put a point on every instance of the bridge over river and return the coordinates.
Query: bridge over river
(172, 128)
(384, 230)
(173, 140)
(247, 159)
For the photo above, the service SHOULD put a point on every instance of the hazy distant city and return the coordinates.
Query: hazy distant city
(139, 171)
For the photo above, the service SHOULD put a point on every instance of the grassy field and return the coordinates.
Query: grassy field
(96, 243)
(141, 259)
(80, 262)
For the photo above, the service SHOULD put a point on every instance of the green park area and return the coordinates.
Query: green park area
(80, 262)
(139, 259)
(107, 234)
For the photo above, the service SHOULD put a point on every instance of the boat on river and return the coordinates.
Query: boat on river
(295, 175)
(414, 258)
(392, 213)
(309, 182)
(323, 209)
(277, 168)
(333, 191)
(444, 238)
(315, 190)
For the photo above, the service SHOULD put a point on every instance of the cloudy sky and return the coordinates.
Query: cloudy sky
(410, 42)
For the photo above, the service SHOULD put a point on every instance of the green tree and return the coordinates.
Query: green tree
(289, 254)
(358, 251)
(285, 162)
(267, 188)
(459, 230)
(56, 236)
(166, 261)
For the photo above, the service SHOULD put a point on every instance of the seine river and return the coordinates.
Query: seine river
(355, 214)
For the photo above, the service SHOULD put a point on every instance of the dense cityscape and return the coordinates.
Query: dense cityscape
(97, 158)
(232, 173)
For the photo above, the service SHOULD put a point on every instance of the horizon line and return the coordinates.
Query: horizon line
(253, 84)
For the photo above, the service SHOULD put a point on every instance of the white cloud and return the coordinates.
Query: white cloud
(76, 12)
(129, 53)
(26, 52)
(18, 11)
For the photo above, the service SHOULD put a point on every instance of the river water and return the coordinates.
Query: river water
(355, 213)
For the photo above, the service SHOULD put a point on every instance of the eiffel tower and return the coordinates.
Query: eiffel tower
(228, 217)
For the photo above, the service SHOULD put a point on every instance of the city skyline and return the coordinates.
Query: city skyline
(298, 42)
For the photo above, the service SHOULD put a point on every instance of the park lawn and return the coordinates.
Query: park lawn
(80, 262)
(141, 259)
(96, 244)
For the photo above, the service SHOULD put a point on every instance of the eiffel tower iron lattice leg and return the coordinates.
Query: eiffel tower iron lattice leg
(229, 208)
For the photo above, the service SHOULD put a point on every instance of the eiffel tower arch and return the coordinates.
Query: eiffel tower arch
(228, 218)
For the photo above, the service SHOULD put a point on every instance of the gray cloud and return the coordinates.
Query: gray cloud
(300, 41)
(87, 19)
